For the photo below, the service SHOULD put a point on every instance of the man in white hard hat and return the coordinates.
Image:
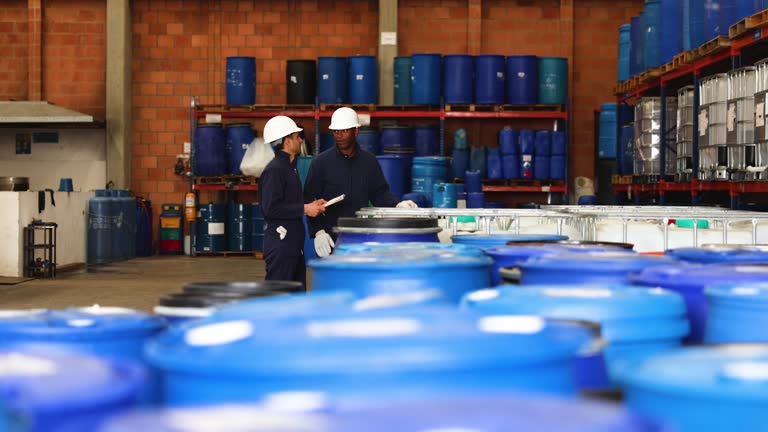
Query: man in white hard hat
(283, 205)
(345, 170)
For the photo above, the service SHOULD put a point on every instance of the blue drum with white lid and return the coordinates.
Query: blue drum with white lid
(397, 271)
(721, 254)
(457, 413)
(49, 390)
(103, 331)
(485, 241)
(703, 389)
(737, 313)
(592, 268)
(386, 354)
(689, 280)
(636, 322)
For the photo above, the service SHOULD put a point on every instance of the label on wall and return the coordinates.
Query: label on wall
(760, 116)
(389, 38)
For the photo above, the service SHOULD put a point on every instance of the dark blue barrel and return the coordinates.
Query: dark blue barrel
(326, 142)
(690, 281)
(493, 163)
(45, 391)
(127, 223)
(397, 271)
(557, 167)
(238, 229)
(459, 79)
(634, 36)
(696, 13)
(527, 148)
(653, 41)
(211, 228)
(238, 138)
(624, 42)
(459, 162)
(510, 256)
(522, 80)
(607, 140)
(467, 353)
(622, 312)
(721, 254)
(444, 195)
(426, 140)
(626, 152)
(210, 150)
(738, 313)
(612, 267)
(510, 166)
(117, 251)
(386, 230)
(477, 160)
(559, 143)
(475, 200)
(745, 8)
(473, 181)
(363, 80)
(369, 140)
(725, 16)
(487, 241)
(489, 79)
(553, 80)
(257, 227)
(426, 80)
(426, 172)
(402, 79)
(241, 80)
(392, 167)
(110, 332)
(102, 214)
(508, 141)
(332, 80)
(527, 141)
(396, 138)
(722, 390)
(671, 30)
(543, 143)
(407, 158)
(541, 166)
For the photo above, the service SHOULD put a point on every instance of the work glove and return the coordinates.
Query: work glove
(406, 204)
(323, 244)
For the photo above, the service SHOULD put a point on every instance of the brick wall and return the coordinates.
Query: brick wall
(14, 52)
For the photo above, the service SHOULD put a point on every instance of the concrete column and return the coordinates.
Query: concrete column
(34, 63)
(119, 146)
(475, 26)
(387, 53)
(567, 38)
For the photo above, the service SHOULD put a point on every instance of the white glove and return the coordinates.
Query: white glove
(323, 244)
(406, 204)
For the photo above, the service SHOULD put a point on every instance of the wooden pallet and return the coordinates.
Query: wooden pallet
(255, 254)
(225, 108)
(667, 67)
(749, 23)
(683, 58)
(227, 179)
(407, 107)
(715, 45)
(283, 107)
(356, 107)
(621, 179)
(649, 75)
(538, 107)
(470, 107)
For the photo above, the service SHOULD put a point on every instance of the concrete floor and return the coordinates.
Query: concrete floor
(136, 283)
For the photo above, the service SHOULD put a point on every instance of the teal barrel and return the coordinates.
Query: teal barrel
(553, 80)
(402, 80)
(302, 164)
(211, 228)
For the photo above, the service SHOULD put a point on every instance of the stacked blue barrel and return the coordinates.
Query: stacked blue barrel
(231, 227)
(112, 226)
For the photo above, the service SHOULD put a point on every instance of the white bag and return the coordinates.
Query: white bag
(257, 156)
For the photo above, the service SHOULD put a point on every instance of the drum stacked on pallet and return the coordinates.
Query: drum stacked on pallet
(740, 122)
(650, 140)
(684, 134)
(761, 132)
(713, 154)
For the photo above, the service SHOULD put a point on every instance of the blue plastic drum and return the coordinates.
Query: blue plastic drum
(487, 241)
(392, 167)
(690, 280)
(508, 141)
(459, 79)
(369, 140)
(385, 354)
(593, 268)
(210, 156)
(363, 80)
(332, 80)
(353, 248)
(489, 79)
(211, 228)
(327, 142)
(636, 323)
(402, 80)
(708, 389)
(737, 314)
(239, 229)
(522, 80)
(386, 230)
(238, 138)
(426, 79)
(444, 195)
(52, 391)
(396, 138)
(721, 254)
(428, 171)
(241, 81)
(426, 140)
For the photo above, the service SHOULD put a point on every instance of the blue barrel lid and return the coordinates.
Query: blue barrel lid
(354, 248)
(525, 251)
(725, 372)
(467, 413)
(698, 275)
(437, 338)
(73, 323)
(721, 254)
(610, 261)
(36, 379)
(493, 240)
(386, 259)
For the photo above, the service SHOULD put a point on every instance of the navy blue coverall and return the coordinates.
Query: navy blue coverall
(358, 177)
(283, 205)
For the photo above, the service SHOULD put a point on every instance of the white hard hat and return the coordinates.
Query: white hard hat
(279, 127)
(344, 118)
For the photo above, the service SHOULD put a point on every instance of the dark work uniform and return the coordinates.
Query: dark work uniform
(358, 177)
(283, 205)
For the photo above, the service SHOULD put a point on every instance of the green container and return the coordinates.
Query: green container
(553, 80)
(302, 164)
(170, 234)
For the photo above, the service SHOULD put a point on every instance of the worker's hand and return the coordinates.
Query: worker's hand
(323, 244)
(406, 204)
(314, 208)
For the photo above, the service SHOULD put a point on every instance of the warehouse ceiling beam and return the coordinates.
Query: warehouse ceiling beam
(387, 49)
(118, 110)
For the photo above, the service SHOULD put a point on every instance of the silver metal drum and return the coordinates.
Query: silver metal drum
(740, 122)
(684, 134)
(760, 170)
(713, 153)
(648, 141)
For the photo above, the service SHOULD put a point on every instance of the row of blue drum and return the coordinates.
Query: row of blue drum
(667, 27)
(116, 227)
(218, 150)
(231, 227)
